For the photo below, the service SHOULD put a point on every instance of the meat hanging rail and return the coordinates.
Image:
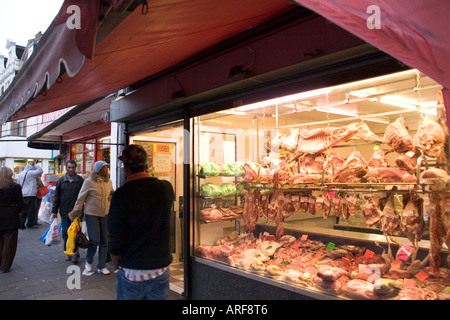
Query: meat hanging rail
(363, 118)
(369, 188)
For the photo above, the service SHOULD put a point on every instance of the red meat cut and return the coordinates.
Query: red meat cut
(353, 169)
(389, 175)
(397, 136)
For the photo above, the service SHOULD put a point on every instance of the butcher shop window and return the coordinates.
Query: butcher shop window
(344, 162)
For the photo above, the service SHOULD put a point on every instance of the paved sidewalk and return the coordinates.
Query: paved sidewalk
(40, 273)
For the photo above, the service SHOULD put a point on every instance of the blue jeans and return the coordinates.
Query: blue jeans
(154, 289)
(97, 228)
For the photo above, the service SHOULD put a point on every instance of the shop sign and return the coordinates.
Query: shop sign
(162, 158)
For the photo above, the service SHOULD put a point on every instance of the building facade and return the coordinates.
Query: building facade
(14, 150)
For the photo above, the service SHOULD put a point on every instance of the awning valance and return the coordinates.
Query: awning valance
(61, 50)
(140, 46)
(82, 122)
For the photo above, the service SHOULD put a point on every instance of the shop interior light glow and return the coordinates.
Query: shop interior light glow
(285, 99)
(337, 111)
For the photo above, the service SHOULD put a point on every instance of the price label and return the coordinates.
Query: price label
(304, 237)
(408, 213)
(376, 147)
(330, 246)
(296, 245)
(346, 261)
(318, 254)
(404, 252)
(421, 276)
(369, 254)
(396, 265)
(409, 283)
(362, 268)
(353, 200)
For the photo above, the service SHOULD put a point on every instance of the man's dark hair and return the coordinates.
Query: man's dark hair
(72, 162)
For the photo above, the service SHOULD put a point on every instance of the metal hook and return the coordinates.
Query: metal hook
(144, 9)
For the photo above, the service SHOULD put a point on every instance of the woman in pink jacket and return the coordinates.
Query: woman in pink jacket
(95, 195)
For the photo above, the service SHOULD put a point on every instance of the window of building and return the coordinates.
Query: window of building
(21, 128)
(84, 155)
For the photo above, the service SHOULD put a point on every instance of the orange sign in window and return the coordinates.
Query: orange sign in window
(162, 158)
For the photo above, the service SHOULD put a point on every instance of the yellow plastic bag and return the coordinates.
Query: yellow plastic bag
(71, 248)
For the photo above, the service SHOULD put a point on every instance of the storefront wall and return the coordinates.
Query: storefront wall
(208, 88)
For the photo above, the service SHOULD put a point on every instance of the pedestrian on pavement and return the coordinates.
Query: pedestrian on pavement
(39, 185)
(66, 194)
(11, 204)
(139, 230)
(95, 195)
(27, 180)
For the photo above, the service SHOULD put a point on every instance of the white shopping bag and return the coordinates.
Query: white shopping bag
(54, 234)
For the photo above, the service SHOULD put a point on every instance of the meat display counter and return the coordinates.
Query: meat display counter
(350, 207)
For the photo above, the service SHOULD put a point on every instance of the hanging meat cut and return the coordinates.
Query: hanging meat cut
(438, 230)
(312, 163)
(318, 140)
(304, 178)
(364, 133)
(254, 172)
(371, 211)
(390, 221)
(378, 159)
(436, 178)
(411, 222)
(251, 171)
(334, 163)
(397, 136)
(250, 212)
(353, 169)
(407, 162)
(438, 210)
(431, 137)
(389, 175)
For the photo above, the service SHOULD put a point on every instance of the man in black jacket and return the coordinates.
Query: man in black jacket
(66, 194)
(139, 231)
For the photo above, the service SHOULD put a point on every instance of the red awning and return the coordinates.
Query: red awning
(61, 49)
(142, 45)
(414, 32)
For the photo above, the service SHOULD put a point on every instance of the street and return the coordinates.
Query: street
(41, 273)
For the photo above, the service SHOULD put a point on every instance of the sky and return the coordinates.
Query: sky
(20, 20)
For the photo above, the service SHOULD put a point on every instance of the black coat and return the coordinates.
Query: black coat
(11, 203)
(139, 223)
(66, 194)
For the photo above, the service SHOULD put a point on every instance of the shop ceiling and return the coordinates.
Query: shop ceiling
(69, 68)
(377, 101)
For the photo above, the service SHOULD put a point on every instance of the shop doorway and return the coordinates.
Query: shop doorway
(165, 153)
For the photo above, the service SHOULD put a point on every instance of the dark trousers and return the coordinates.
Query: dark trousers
(28, 214)
(38, 206)
(8, 247)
